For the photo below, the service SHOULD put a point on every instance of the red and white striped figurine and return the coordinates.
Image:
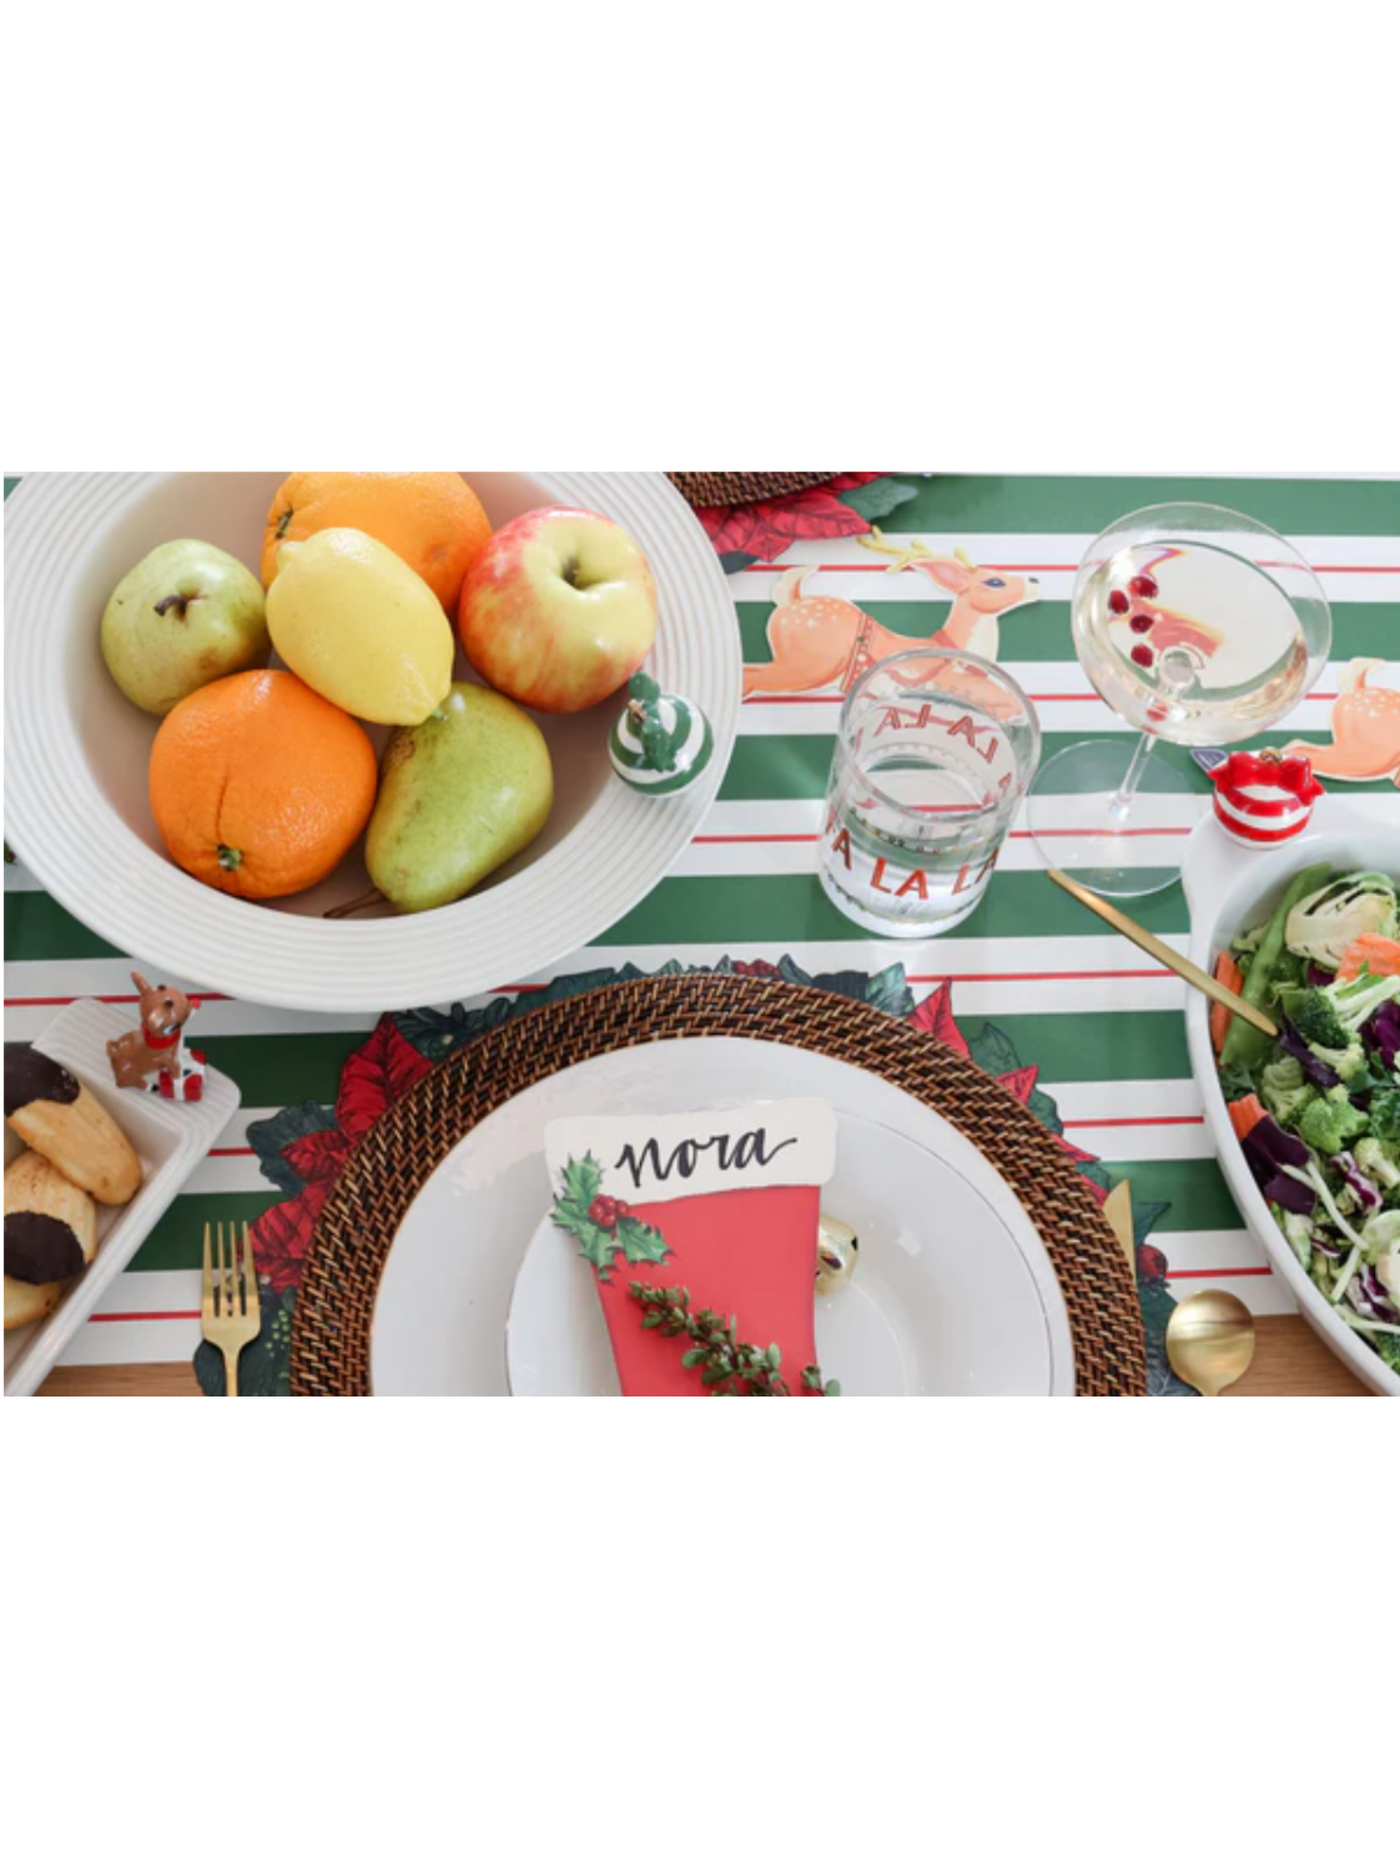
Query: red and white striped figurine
(1261, 797)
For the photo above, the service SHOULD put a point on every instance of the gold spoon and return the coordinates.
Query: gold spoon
(1210, 1341)
(1166, 955)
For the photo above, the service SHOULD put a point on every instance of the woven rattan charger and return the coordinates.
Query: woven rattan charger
(335, 1304)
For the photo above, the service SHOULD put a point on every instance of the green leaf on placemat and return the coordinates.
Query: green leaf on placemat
(1157, 1306)
(993, 1051)
(878, 498)
(1146, 1213)
(269, 1139)
(1046, 1110)
(264, 1366)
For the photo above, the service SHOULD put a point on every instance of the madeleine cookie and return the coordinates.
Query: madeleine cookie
(50, 1235)
(51, 1111)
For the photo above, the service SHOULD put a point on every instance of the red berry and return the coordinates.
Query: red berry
(1143, 585)
(603, 1212)
(1142, 655)
(1118, 602)
(1140, 625)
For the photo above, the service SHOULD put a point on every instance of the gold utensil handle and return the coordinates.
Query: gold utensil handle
(1168, 956)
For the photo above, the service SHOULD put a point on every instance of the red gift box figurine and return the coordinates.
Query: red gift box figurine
(1261, 797)
(157, 1047)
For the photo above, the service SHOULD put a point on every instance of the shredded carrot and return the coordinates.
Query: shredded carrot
(1377, 951)
(1245, 1114)
(1229, 974)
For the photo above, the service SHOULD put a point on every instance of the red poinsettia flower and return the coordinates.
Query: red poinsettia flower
(765, 529)
(935, 1015)
(756, 969)
(377, 1074)
(282, 1236)
(1152, 1265)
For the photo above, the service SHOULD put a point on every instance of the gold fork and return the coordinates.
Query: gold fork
(232, 1314)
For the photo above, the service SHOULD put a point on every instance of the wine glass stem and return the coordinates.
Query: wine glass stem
(1132, 778)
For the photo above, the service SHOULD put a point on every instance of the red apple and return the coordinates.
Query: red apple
(559, 610)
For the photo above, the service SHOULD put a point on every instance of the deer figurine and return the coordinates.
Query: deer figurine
(157, 1045)
(1365, 730)
(824, 641)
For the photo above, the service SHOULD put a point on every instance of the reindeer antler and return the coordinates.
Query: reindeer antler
(916, 552)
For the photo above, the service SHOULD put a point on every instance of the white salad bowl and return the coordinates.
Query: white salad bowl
(76, 757)
(1229, 889)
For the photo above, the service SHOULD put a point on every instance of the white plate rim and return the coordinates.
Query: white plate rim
(146, 906)
(1059, 1335)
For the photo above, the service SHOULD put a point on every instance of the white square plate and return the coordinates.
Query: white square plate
(171, 1139)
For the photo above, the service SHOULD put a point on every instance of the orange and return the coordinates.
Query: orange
(433, 521)
(259, 786)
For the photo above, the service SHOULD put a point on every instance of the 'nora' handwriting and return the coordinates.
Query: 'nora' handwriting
(731, 1154)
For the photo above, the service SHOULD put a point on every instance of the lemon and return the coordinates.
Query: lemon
(357, 624)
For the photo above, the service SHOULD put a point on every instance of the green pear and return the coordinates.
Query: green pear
(186, 615)
(458, 796)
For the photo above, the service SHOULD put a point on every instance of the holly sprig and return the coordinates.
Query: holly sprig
(728, 1366)
(605, 1228)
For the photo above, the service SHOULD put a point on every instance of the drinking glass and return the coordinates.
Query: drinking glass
(934, 752)
(1199, 626)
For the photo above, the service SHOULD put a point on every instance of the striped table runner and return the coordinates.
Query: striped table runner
(1104, 1026)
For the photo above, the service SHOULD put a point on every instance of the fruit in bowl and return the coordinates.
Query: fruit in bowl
(361, 627)
(433, 521)
(459, 795)
(187, 614)
(559, 609)
(260, 787)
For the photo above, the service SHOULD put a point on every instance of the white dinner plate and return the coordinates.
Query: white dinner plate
(77, 752)
(954, 1293)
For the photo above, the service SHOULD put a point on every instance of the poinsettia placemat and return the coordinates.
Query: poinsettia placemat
(305, 1148)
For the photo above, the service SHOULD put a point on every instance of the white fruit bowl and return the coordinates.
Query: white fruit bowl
(76, 755)
(1229, 889)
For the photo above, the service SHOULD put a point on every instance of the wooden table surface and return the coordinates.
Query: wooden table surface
(1289, 1359)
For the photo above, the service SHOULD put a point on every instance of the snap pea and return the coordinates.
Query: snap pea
(1243, 1044)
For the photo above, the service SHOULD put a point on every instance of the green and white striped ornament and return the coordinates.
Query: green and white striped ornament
(662, 743)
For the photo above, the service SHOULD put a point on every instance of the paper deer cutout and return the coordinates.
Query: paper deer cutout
(824, 641)
(1365, 730)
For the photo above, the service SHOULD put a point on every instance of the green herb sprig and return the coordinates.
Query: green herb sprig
(728, 1366)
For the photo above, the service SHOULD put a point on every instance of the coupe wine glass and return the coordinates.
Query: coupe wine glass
(1199, 626)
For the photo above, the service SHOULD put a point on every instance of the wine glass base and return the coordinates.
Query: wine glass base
(1072, 815)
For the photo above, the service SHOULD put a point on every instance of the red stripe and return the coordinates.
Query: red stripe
(220, 1153)
(1238, 1270)
(149, 1315)
(1138, 1121)
(834, 700)
(1373, 570)
(1020, 836)
(111, 998)
(988, 978)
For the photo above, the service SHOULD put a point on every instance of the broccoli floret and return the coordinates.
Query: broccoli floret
(1285, 1089)
(1315, 1017)
(1385, 1116)
(1331, 1122)
(1379, 1160)
(1328, 1018)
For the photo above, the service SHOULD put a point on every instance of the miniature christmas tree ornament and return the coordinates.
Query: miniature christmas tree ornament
(662, 743)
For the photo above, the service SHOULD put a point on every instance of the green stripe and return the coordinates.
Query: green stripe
(776, 766)
(1041, 631)
(275, 1071)
(1195, 1190)
(1034, 503)
(177, 1242)
(1097, 1047)
(36, 927)
(740, 910)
